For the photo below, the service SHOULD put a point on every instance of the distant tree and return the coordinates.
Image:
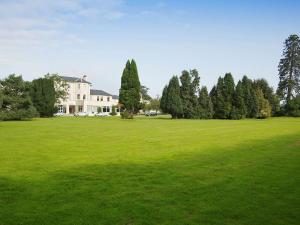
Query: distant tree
(186, 95)
(144, 93)
(269, 94)
(218, 99)
(205, 104)
(238, 104)
(163, 100)
(294, 107)
(16, 103)
(228, 94)
(289, 70)
(155, 104)
(249, 98)
(174, 103)
(43, 96)
(61, 87)
(130, 91)
(264, 108)
(1, 98)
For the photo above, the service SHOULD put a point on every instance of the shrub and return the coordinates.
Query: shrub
(126, 115)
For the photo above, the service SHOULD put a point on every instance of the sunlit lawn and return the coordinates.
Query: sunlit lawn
(150, 171)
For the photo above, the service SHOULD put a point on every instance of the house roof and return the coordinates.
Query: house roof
(99, 92)
(74, 79)
(115, 97)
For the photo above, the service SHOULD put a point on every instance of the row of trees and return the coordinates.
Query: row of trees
(20, 99)
(247, 99)
(182, 97)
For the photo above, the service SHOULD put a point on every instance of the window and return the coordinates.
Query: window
(83, 97)
(78, 85)
(80, 108)
(106, 109)
(117, 110)
(101, 99)
(78, 96)
(61, 109)
(108, 99)
(98, 98)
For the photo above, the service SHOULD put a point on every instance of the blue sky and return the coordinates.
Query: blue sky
(76, 37)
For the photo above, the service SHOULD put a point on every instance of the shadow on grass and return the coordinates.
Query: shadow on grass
(233, 187)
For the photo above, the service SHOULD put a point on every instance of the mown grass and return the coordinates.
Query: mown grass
(150, 171)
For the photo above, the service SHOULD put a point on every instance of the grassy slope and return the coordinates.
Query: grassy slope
(149, 171)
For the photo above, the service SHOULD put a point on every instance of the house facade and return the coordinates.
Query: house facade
(82, 98)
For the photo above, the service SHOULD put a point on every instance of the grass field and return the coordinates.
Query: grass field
(150, 171)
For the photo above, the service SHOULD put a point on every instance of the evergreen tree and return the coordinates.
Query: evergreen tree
(43, 96)
(174, 103)
(289, 70)
(249, 98)
(228, 93)
(16, 103)
(264, 108)
(130, 91)
(163, 100)
(205, 104)
(219, 101)
(238, 105)
(294, 107)
(185, 94)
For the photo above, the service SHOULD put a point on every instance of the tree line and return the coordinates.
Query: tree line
(183, 97)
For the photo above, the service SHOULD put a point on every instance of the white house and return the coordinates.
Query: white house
(81, 98)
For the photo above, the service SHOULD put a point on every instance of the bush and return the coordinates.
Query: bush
(126, 115)
(113, 111)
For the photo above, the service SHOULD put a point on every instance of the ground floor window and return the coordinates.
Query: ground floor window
(80, 108)
(61, 109)
(117, 110)
(106, 109)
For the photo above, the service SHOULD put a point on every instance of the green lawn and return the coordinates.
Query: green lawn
(150, 171)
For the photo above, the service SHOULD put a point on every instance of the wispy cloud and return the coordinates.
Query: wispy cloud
(34, 21)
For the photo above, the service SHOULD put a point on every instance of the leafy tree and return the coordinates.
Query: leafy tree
(43, 96)
(155, 104)
(289, 70)
(163, 100)
(144, 93)
(294, 107)
(173, 102)
(268, 94)
(61, 87)
(16, 103)
(264, 108)
(130, 91)
(205, 104)
(238, 104)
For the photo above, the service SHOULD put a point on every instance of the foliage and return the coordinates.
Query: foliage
(188, 93)
(205, 109)
(174, 102)
(163, 100)
(249, 97)
(144, 93)
(238, 104)
(113, 111)
(61, 87)
(126, 115)
(264, 108)
(16, 103)
(43, 96)
(130, 91)
(289, 70)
